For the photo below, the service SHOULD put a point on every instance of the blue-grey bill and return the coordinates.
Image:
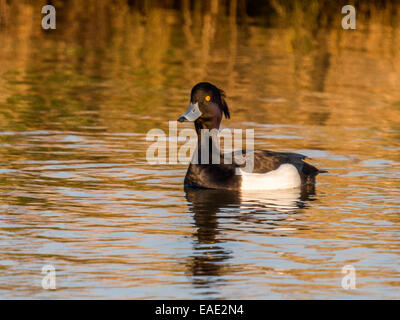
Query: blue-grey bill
(192, 113)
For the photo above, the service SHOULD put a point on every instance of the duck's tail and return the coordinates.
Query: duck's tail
(310, 172)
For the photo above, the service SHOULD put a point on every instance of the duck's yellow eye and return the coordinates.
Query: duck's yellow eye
(208, 98)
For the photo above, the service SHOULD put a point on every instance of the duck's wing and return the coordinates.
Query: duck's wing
(263, 161)
(292, 155)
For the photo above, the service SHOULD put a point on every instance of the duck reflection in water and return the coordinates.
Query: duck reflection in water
(212, 209)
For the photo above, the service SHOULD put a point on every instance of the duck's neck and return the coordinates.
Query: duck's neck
(207, 148)
(213, 123)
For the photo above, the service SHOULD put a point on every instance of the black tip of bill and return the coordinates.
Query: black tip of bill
(182, 119)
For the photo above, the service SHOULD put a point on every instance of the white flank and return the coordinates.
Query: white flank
(285, 177)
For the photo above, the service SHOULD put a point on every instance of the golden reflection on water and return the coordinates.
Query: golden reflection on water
(76, 190)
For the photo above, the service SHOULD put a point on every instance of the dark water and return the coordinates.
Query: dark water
(78, 193)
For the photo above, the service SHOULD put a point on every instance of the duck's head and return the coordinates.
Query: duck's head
(207, 104)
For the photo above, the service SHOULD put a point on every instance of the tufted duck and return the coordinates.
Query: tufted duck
(271, 170)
